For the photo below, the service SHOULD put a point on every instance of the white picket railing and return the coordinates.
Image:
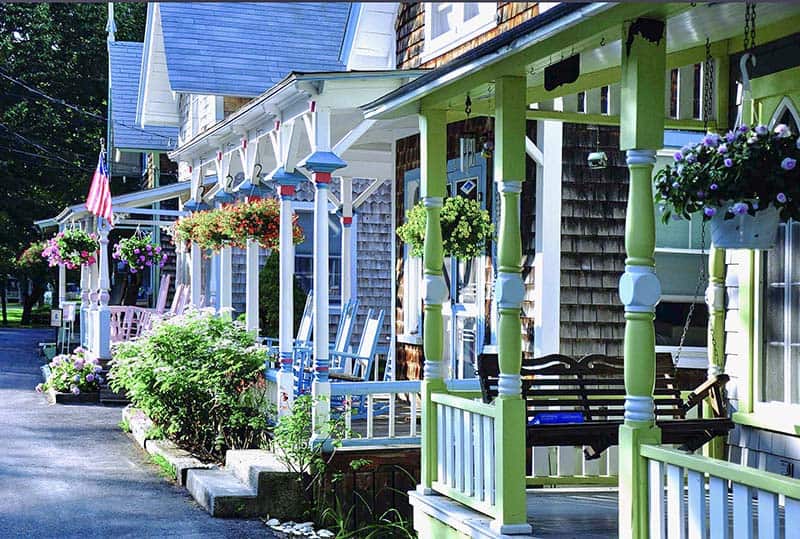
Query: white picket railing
(567, 465)
(693, 497)
(465, 444)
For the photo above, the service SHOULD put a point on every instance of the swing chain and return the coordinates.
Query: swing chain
(701, 280)
(708, 85)
(749, 26)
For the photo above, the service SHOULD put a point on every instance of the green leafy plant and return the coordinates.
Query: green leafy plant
(269, 296)
(73, 373)
(744, 172)
(164, 467)
(124, 425)
(200, 379)
(139, 253)
(466, 228)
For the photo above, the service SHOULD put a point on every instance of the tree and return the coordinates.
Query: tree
(269, 297)
(34, 274)
(48, 151)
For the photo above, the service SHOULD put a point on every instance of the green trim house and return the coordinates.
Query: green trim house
(473, 454)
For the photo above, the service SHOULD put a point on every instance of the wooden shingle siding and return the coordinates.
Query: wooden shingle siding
(592, 244)
(410, 31)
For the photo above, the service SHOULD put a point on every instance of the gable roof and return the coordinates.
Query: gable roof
(125, 59)
(241, 49)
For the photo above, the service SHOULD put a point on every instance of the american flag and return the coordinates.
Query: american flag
(99, 200)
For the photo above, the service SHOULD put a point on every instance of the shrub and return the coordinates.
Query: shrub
(200, 379)
(269, 297)
(73, 374)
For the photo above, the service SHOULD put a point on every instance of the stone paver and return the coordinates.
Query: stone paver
(70, 472)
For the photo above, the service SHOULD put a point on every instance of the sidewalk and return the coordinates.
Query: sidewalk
(69, 471)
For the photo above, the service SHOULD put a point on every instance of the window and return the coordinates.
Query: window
(448, 24)
(681, 250)
(780, 353)
(304, 254)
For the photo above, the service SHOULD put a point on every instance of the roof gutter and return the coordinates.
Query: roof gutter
(553, 21)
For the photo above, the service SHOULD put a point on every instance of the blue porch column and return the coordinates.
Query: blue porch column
(287, 185)
(321, 164)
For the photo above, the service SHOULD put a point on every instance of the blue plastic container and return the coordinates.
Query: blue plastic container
(757, 231)
(555, 418)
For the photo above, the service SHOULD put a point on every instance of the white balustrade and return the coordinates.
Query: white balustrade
(465, 442)
(705, 497)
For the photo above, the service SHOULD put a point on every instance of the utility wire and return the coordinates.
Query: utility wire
(42, 156)
(76, 108)
(39, 147)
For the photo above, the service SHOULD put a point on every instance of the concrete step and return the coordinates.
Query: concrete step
(280, 492)
(109, 396)
(222, 494)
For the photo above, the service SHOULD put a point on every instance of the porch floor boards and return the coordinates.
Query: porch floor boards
(568, 513)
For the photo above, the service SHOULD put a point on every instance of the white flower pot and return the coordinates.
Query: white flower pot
(745, 231)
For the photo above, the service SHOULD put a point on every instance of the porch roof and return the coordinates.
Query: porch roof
(594, 32)
(125, 59)
(136, 199)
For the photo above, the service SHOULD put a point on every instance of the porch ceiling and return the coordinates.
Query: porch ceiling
(582, 33)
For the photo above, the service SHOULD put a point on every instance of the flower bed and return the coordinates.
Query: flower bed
(72, 248)
(73, 378)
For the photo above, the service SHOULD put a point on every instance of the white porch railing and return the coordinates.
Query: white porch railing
(465, 444)
(696, 497)
(562, 466)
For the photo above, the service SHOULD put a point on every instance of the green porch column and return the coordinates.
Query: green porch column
(715, 299)
(433, 168)
(641, 134)
(509, 173)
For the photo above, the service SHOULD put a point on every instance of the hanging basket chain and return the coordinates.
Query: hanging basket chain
(702, 279)
(708, 85)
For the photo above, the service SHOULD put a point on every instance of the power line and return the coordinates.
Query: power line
(42, 156)
(39, 147)
(76, 108)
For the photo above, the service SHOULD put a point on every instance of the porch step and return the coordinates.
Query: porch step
(220, 493)
(280, 493)
(111, 397)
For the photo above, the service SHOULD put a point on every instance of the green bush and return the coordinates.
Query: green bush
(200, 379)
(269, 297)
(73, 374)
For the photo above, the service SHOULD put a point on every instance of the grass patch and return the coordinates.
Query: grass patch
(40, 316)
(154, 433)
(124, 425)
(165, 469)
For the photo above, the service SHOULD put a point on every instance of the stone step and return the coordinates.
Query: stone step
(220, 493)
(109, 396)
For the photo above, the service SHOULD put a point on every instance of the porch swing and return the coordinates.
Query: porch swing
(581, 402)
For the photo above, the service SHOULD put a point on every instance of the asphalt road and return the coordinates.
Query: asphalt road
(69, 471)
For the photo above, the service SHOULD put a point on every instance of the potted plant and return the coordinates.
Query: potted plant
(73, 378)
(744, 183)
(72, 248)
(466, 228)
(138, 253)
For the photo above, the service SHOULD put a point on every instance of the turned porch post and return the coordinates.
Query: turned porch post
(433, 169)
(85, 301)
(223, 196)
(287, 184)
(251, 188)
(641, 134)
(346, 287)
(715, 300)
(509, 173)
(103, 327)
(321, 163)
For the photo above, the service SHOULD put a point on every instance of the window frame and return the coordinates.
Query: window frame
(461, 33)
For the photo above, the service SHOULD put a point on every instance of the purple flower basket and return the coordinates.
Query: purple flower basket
(746, 231)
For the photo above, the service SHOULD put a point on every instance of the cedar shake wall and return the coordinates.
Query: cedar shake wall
(409, 357)
(410, 32)
(592, 244)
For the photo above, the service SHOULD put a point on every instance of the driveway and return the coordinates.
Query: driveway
(69, 471)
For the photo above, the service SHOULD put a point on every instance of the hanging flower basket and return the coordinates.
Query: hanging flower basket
(466, 228)
(234, 224)
(138, 253)
(744, 183)
(257, 219)
(72, 248)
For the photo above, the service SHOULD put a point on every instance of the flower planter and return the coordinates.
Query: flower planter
(746, 231)
(87, 397)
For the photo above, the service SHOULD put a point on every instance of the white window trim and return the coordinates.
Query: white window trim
(460, 35)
